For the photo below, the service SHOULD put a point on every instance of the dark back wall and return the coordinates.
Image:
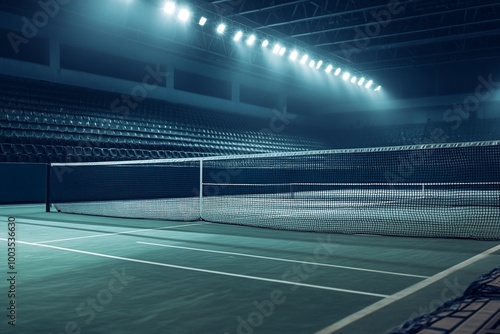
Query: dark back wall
(22, 183)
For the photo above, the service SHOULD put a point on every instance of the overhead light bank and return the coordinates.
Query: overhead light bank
(184, 14)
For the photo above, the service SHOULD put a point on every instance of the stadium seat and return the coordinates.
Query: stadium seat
(41, 158)
(162, 154)
(7, 148)
(87, 151)
(155, 154)
(78, 151)
(17, 149)
(58, 151)
(105, 153)
(122, 154)
(96, 152)
(113, 152)
(29, 149)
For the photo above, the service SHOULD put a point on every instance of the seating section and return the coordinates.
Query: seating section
(414, 134)
(44, 122)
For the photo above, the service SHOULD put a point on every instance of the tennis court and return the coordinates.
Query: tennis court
(89, 274)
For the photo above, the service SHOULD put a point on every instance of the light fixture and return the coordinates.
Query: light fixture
(221, 28)
(378, 88)
(251, 40)
(282, 51)
(354, 79)
(184, 15)
(346, 76)
(238, 36)
(304, 58)
(202, 21)
(265, 43)
(319, 64)
(276, 48)
(312, 63)
(329, 69)
(361, 81)
(337, 72)
(294, 55)
(369, 84)
(169, 7)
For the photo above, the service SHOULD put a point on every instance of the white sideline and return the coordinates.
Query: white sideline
(22, 206)
(204, 270)
(116, 233)
(404, 293)
(21, 220)
(282, 260)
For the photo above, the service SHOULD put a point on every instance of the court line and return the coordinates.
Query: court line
(22, 206)
(207, 271)
(116, 233)
(405, 293)
(283, 260)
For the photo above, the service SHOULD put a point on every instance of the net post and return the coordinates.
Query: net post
(47, 188)
(201, 189)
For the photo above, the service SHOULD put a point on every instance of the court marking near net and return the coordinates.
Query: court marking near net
(385, 301)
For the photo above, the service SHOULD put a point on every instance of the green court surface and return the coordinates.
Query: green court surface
(87, 274)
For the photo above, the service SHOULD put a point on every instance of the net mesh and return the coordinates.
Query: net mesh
(442, 190)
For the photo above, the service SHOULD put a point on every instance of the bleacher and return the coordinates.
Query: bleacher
(415, 134)
(45, 122)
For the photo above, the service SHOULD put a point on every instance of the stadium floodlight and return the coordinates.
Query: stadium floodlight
(265, 43)
(319, 64)
(282, 51)
(329, 69)
(276, 48)
(238, 35)
(221, 28)
(169, 7)
(378, 88)
(369, 84)
(294, 55)
(361, 81)
(354, 79)
(251, 40)
(346, 76)
(184, 15)
(312, 63)
(304, 59)
(202, 21)
(337, 72)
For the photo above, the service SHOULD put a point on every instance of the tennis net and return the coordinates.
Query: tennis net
(442, 190)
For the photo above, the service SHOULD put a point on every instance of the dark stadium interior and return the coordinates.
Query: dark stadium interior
(374, 124)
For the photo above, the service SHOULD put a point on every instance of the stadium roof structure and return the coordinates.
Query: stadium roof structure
(414, 47)
(386, 38)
